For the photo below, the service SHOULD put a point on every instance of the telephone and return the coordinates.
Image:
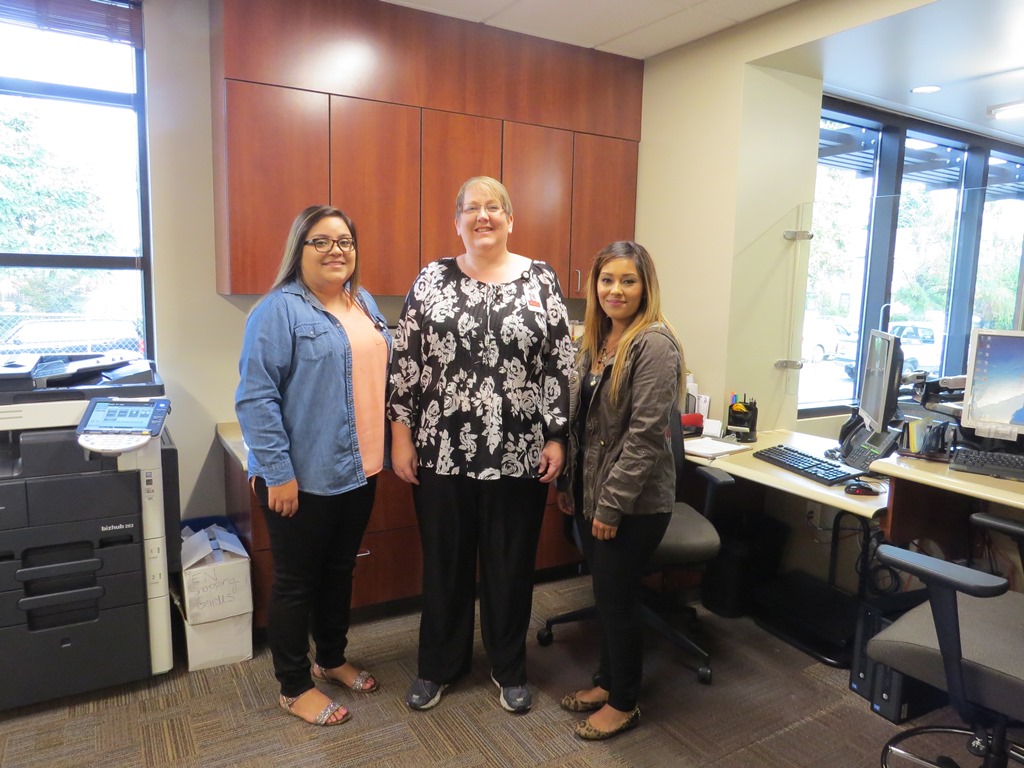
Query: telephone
(863, 446)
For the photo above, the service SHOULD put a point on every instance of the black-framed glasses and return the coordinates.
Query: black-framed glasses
(326, 244)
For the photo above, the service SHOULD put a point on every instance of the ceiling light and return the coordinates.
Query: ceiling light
(1011, 111)
(926, 89)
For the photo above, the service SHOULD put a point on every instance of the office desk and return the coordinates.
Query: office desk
(929, 500)
(812, 614)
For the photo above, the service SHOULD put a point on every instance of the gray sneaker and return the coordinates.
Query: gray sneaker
(514, 698)
(424, 694)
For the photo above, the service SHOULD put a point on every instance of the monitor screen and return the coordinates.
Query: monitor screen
(994, 393)
(880, 382)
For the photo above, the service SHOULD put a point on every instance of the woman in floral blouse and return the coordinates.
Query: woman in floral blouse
(478, 401)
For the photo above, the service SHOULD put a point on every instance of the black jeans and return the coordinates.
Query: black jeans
(314, 556)
(616, 567)
(460, 518)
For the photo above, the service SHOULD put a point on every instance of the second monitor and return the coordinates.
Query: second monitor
(879, 396)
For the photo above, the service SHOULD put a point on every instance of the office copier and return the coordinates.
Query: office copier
(83, 561)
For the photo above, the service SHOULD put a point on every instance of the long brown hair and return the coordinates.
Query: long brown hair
(291, 262)
(597, 324)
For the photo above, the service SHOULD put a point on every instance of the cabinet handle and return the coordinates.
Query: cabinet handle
(579, 278)
(363, 553)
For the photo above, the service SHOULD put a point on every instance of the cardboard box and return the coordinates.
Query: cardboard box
(215, 575)
(215, 643)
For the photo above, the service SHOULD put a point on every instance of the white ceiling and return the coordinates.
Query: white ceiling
(974, 49)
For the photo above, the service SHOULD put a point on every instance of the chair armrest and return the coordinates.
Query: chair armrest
(1012, 528)
(716, 477)
(931, 571)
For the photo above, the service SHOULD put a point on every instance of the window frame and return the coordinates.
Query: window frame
(879, 262)
(137, 103)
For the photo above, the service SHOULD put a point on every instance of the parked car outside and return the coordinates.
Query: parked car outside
(920, 343)
(72, 335)
(822, 336)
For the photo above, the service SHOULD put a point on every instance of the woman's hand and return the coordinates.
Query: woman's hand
(565, 503)
(284, 499)
(603, 531)
(552, 457)
(404, 459)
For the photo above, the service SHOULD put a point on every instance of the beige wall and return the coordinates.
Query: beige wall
(199, 333)
(726, 161)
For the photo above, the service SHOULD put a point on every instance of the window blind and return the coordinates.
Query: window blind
(118, 21)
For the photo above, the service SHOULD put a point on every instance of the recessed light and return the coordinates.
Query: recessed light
(926, 89)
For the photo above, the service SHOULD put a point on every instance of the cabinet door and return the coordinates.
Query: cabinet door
(455, 148)
(537, 170)
(277, 163)
(375, 179)
(392, 504)
(603, 201)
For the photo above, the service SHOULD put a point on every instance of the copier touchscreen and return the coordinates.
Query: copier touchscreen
(115, 426)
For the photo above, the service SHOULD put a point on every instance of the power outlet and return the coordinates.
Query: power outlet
(814, 515)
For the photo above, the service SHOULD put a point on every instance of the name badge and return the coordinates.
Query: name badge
(533, 299)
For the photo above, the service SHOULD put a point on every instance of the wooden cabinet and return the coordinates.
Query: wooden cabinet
(375, 179)
(537, 171)
(274, 163)
(455, 148)
(603, 201)
(390, 562)
(371, 107)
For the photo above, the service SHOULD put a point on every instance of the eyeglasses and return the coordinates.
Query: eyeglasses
(326, 244)
(473, 210)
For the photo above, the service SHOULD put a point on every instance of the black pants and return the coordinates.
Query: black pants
(314, 556)
(616, 567)
(460, 517)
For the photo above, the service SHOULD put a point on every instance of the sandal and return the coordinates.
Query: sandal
(358, 685)
(323, 719)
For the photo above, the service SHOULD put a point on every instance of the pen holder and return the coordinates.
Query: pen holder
(742, 422)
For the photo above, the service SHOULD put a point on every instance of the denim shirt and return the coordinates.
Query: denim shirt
(294, 400)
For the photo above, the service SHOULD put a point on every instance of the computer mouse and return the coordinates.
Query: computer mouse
(860, 489)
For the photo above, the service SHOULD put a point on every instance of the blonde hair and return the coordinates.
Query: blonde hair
(494, 188)
(597, 324)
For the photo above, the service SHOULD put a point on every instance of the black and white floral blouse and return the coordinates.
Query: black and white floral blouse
(479, 371)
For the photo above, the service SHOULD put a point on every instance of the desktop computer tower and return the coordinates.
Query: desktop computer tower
(893, 695)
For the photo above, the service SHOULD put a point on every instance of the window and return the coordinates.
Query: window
(918, 230)
(74, 258)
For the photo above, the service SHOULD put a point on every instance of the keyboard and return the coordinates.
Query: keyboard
(1008, 465)
(812, 467)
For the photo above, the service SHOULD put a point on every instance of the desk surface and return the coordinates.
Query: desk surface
(938, 475)
(745, 465)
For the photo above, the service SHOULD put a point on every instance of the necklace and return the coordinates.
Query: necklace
(606, 351)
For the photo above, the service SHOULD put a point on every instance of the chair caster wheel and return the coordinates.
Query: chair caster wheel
(704, 674)
(946, 762)
(545, 637)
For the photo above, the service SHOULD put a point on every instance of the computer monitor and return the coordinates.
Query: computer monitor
(994, 392)
(880, 381)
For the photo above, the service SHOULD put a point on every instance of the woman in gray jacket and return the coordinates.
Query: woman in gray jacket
(619, 481)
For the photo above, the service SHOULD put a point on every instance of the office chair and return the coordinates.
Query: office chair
(690, 542)
(968, 640)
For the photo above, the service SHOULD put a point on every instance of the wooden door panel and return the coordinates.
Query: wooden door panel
(277, 164)
(455, 148)
(603, 201)
(537, 170)
(375, 179)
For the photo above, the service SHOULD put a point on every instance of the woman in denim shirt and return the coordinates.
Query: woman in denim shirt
(310, 403)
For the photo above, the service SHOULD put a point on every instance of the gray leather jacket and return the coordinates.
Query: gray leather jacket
(628, 467)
